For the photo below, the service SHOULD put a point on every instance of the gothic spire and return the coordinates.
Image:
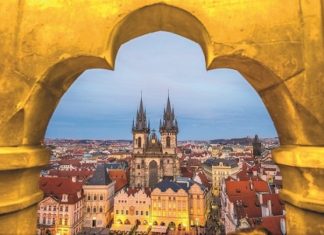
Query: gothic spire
(169, 123)
(141, 123)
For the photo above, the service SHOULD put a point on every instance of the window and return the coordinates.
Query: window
(147, 213)
(168, 140)
(95, 197)
(61, 208)
(94, 210)
(101, 198)
(100, 209)
(126, 212)
(122, 212)
(45, 208)
(49, 208)
(141, 212)
(60, 221)
(117, 212)
(54, 208)
(66, 221)
(139, 142)
(138, 166)
(66, 208)
(136, 212)
(44, 220)
(53, 220)
(89, 197)
(88, 209)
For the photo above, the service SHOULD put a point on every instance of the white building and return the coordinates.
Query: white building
(61, 210)
(99, 193)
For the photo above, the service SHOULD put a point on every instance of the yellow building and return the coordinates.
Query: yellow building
(217, 169)
(132, 206)
(178, 204)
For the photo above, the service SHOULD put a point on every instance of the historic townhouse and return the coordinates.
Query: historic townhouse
(61, 210)
(99, 193)
(217, 169)
(178, 204)
(132, 206)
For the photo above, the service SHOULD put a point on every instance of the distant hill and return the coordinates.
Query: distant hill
(241, 141)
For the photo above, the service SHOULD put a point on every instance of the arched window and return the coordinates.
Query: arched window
(95, 197)
(101, 197)
(168, 142)
(94, 210)
(100, 209)
(139, 142)
(88, 209)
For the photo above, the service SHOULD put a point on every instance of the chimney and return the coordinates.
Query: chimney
(251, 184)
(283, 226)
(73, 179)
(261, 198)
(269, 207)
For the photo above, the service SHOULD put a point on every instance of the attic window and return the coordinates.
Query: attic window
(64, 198)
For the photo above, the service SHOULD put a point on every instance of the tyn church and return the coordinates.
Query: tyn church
(154, 159)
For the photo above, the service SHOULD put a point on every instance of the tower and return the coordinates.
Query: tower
(257, 147)
(140, 130)
(169, 130)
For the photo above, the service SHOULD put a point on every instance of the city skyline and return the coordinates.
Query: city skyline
(208, 104)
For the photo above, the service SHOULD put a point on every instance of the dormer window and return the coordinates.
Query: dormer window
(64, 198)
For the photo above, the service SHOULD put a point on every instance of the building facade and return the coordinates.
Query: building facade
(217, 169)
(99, 193)
(179, 204)
(132, 206)
(154, 159)
(61, 210)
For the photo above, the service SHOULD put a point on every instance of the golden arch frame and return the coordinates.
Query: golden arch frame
(289, 57)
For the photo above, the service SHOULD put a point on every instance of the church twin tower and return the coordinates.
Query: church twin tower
(154, 159)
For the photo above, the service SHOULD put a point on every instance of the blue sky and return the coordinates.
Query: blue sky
(219, 103)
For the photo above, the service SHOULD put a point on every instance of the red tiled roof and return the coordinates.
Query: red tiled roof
(82, 174)
(277, 206)
(186, 172)
(132, 191)
(272, 223)
(247, 206)
(57, 186)
(120, 176)
(261, 186)
(236, 188)
(204, 179)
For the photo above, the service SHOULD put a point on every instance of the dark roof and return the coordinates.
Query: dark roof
(181, 183)
(232, 162)
(166, 184)
(100, 176)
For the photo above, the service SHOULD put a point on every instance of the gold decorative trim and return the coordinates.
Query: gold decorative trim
(300, 201)
(11, 206)
(13, 158)
(299, 156)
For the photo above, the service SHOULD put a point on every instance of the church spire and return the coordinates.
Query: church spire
(169, 123)
(141, 122)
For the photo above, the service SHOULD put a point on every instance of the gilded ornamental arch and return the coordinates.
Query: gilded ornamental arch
(278, 48)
